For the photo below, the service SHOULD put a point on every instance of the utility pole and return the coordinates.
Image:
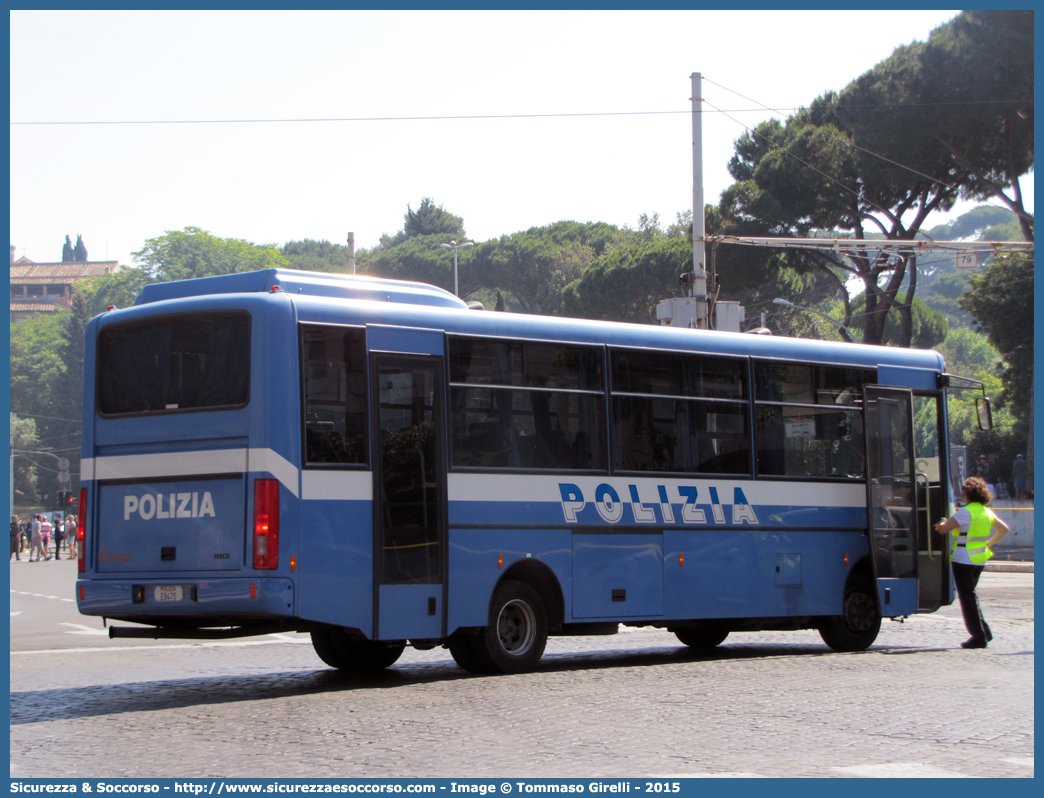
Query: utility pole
(699, 254)
(351, 253)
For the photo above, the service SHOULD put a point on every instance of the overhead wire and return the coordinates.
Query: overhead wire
(451, 117)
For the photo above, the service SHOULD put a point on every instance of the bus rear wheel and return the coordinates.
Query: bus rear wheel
(340, 650)
(514, 640)
(860, 620)
(701, 637)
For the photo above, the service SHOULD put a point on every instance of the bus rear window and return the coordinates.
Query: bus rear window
(191, 361)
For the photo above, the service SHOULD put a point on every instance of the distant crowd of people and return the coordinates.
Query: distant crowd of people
(1019, 486)
(35, 536)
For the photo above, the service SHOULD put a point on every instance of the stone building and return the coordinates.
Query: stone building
(47, 287)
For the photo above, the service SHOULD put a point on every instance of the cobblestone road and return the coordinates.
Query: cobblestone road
(637, 704)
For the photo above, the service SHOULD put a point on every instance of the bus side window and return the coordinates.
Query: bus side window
(526, 404)
(808, 422)
(333, 362)
(679, 413)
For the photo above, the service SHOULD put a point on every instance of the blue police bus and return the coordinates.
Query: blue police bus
(374, 463)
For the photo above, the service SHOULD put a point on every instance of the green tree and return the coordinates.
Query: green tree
(420, 258)
(874, 161)
(316, 256)
(628, 281)
(977, 70)
(929, 327)
(24, 439)
(80, 250)
(39, 391)
(428, 220)
(1001, 300)
(118, 289)
(67, 251)
(192, 252)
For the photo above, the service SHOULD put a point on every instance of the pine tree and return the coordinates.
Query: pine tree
(67, 251)
(80, 253)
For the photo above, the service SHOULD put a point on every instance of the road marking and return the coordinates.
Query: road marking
(85, 630)
(1026, 763)
(41, 595)
(119, 649)
(284, 637)
(900, 770)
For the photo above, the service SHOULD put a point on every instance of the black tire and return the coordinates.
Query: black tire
(514, 640)
(340, 650)
(462, 648)
(701, 637)
(860, 620)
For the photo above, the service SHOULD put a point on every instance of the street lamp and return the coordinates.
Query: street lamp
(840, 326)
(455, 246)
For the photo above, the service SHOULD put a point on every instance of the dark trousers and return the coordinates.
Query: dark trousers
(965, 579)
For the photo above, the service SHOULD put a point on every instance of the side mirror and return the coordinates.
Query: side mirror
(982, 410)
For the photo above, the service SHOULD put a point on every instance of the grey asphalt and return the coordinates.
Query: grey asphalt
(636, 704)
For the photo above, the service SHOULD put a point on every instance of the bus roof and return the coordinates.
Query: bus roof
(342, 286)
(343, 299)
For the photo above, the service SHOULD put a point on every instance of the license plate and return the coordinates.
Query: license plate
(168, 593)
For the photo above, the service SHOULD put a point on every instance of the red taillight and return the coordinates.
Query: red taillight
(266, 524)
(81, 532)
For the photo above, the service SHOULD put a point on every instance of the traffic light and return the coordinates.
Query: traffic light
(61, 500)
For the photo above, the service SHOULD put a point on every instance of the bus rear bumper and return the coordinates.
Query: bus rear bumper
(186, 602)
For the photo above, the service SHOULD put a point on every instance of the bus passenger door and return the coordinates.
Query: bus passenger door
(409, 496)
(933, 499)
(891, 497)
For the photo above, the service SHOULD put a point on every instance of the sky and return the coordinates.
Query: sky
(509, 119)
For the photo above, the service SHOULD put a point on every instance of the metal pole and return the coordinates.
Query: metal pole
(351, 253)
(456, 288)
(699, 257)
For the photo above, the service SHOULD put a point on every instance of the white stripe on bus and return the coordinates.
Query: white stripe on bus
(324, 485)
(187, 464)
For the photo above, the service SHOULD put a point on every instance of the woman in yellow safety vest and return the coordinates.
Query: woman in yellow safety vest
(972, 527)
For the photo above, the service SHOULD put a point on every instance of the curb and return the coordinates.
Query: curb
(1010, 567)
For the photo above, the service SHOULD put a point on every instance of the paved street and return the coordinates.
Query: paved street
(636, 704)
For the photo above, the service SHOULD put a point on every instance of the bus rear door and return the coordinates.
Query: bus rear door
(410, 516)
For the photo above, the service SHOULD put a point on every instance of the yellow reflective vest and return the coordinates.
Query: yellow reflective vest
(974, 540)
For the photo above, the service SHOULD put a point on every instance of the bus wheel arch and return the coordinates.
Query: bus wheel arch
(859, 623)
(523, 603)
(544, 581)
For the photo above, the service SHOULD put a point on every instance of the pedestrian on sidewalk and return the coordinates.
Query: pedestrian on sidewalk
(1018, 476)
(16, 538)
(59, 536)
(46, 528)
(70, 535)
(973, 534)
(35, 539)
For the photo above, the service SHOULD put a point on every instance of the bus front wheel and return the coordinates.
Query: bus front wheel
(340, 650)
(860, 620)
(514, 640)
